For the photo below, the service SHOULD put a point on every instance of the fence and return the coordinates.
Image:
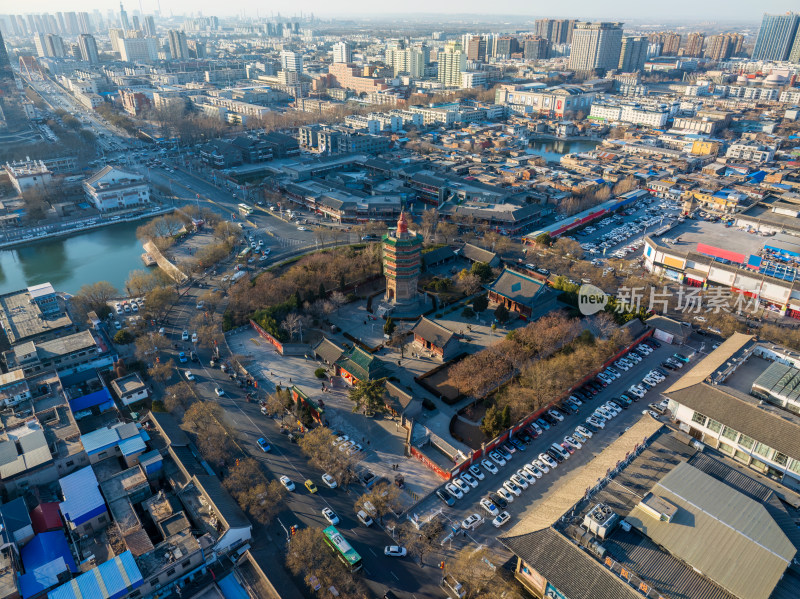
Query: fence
(264, 335)
(429, 463)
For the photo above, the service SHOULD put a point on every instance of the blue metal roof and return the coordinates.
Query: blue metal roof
(132, 445)
(46, 547)
(91, 400)
(82, 498)
(99, 440)
(110, 580)
(42, 578)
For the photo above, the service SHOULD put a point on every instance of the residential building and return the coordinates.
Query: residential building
(343, 52)
(595, 46)
(75, 352)
(411, 61)
(476, 48)
(723, 46)
(112, 188)
(134, 102)
(633, 54)
(557, 31)
(563, 101)
(178, 48)
(13, 388)
(694, 45)
(504, 46)
(452, 61)
(776, 36)
(750, 151)
(130, 388)
(149, 26)
(535, 48)
(88, 48)
(23, 318)
(630, 112)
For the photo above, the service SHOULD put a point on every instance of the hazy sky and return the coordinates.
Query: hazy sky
(641, 10)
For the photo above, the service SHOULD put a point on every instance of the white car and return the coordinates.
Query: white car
(346, 445)
(635, 392)
(541, 465)
(475, 471)
(621, 365)
(189, 376)
(339, 440)
(579, 437)
(329, 480)
(597, 422)
(512, 487)
(200, 304)
(490, 507)
(194, 337)
(534, 470)
(355, 448)
(219, 391)
(650, 413)
(584, 431)
(555, 414)
(548, 460)
(461, 485)
(287, 483)
(489, 465)
(185, 336)
(473, 521)
(454, 490)
(501, 519)
(526, 476)
(519, 481)
(469, 479)
(330, 516)
(497, 458)
(573, 442)
(394, 551)
(505, 494)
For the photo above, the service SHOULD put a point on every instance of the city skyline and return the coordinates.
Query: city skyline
(736, 10)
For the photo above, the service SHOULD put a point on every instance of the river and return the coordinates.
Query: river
(553, 149)
(105, 254)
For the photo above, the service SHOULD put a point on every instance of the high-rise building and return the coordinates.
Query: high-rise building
(343, 52)
(138, 49)
(535, 48)
(197, 49)
(116, 36)
(84, 23)
(476, 48)
(178, 48)
(49, 45)
(722, 46)
(694, 45)
(452, 62)
(669, 41)
(595, 46)
(794, 53)
(123, 19)
(633, 54)
(6, 73)
(558, 31)
(149, 26)
(291, 61)
(71, 21)
(776, 36)
(88, 48)
(505, 46)
(136, 25)
(410, 61)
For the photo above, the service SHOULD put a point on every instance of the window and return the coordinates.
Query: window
(186, 564)
(746, 442)
(725, 448)
(171, 572)
(70, 463)
(102, 519)
(780, 458)
(714, 425)
(699, 418)
(729, 433)
(763, 450)
(741, 456)
(794, 466)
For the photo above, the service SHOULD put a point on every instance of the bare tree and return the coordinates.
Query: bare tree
(338, 299)
(292, 324)
(430, 219)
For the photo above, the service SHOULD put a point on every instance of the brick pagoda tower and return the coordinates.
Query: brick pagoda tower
(402, 251)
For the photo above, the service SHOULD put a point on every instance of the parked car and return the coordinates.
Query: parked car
(489, 507)
(497, 458)
(489, 465)
(505, 495)
(501, 519)
(446, 497)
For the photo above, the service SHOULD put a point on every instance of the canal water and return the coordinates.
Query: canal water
(553, 149)
(105, 254)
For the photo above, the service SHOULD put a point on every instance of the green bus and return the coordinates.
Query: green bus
(244, 254)
(342, 548)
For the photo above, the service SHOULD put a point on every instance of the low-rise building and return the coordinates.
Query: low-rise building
(25, 176)
(435, 339)
(750, 151)
(112, 188)
(529, 298)
(130, 388)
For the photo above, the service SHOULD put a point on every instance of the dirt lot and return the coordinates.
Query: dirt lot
(441, 382)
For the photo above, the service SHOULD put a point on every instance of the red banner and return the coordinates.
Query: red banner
(429, 463)
(278, 345)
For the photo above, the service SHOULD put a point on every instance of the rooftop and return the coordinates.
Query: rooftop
(22, 319)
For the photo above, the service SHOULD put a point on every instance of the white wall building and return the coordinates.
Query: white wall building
(112, 188)
(630, 112)
(753, 152)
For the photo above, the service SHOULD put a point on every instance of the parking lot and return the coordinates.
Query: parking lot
(529, 497)
(623, 234)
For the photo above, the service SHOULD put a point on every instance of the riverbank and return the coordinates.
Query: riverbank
(547, 137)
(56, 231)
